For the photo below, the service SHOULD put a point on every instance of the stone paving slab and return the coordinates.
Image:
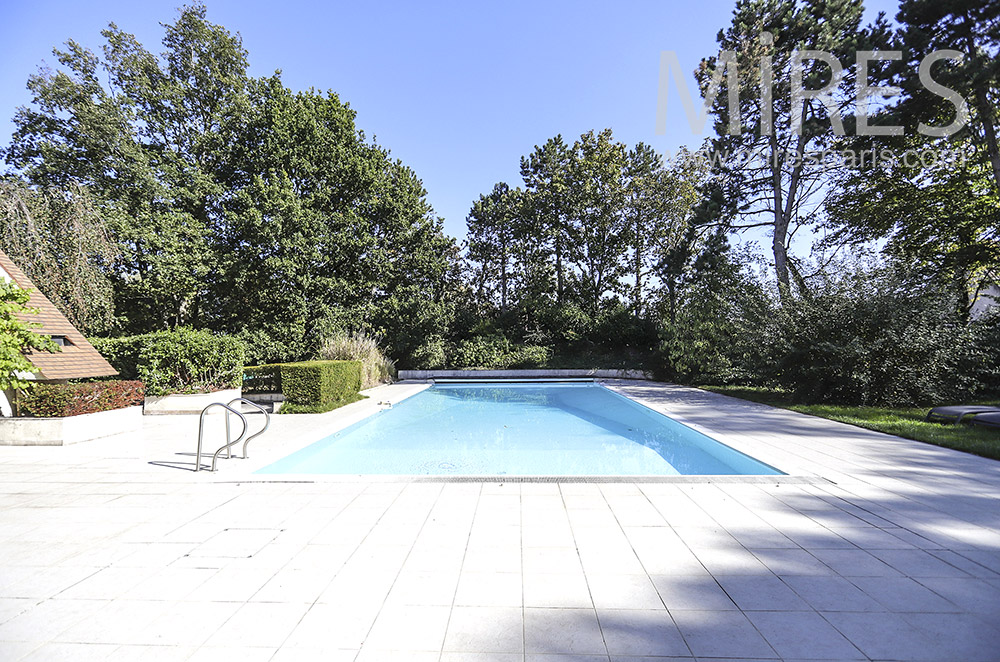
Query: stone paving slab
(117, 550)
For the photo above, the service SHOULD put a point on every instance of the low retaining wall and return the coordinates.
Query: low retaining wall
(188, 404)
(69, 429)
(523, 374)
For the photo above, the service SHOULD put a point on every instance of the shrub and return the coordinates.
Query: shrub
(179, 361)
(483, 352)
(497, 353)
(714, 319)
(985, 359)
(566, 323)
(262, 378)
(51, 400)
(428, 355)
(376, 368)
(618, 325)
(122, 353)
(529, 356)
(879, 337)
(320, 383)
(413, 324)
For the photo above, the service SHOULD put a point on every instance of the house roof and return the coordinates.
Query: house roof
(78, 357)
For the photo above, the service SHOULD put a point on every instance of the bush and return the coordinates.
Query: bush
(121, 353)
(497, 353)
(376, 368)
(428, 355)
(179, 361)
(714, 320)
(53, 400)
(262, 378)
(483, 352)
(413, 324)
(320, 383)
(984, 362)
(618, 326)
(566, 323)
(879, 338)
(529, 356)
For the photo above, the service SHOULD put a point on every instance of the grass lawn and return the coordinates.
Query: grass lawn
(902, 422)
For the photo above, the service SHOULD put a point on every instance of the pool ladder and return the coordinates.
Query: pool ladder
(230, 442)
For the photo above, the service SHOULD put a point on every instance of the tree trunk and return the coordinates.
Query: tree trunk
(503, 282)
(985, 111)
(638, 271)
(983, 107)
(672, 298)
(780, 222)
(559, 265)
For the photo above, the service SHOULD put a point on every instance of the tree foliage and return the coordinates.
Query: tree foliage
(970, 29)
(60, 239)
(881, 336)
(933, 197)
(235, 204)
(581, 242)
(769, 161)
(17, 337)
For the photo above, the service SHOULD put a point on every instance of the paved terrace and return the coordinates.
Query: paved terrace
(880, 549)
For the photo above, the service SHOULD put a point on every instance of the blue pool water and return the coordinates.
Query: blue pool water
(519, 430)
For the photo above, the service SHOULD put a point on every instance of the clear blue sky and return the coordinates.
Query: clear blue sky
(457, 90)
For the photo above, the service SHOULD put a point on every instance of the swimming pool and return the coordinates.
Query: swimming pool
(498, 429)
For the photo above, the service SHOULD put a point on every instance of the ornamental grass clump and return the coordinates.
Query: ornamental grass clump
(376, 367)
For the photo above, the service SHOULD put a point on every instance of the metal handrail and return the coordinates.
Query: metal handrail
(201, 431)
(267, 423)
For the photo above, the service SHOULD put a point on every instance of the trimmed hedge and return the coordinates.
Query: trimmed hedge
(56, 400)
(290, 408)
(262, 378)
(320, 383)
(179, 361)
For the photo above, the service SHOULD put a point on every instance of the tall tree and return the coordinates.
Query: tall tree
(493, 230)
(545, 172)
(151, 142)
(933, 193)
(767, 158)
(941, 219)
(239, 205)
(972, 28)
(600, 237)
(332, 220)
(659, 203)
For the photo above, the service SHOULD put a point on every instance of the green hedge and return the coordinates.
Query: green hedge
(320, 383)
(262, 378)
(179, 361)
(45, 400)
(291, 408)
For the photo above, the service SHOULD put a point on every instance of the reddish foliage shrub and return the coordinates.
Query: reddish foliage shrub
(51, 400)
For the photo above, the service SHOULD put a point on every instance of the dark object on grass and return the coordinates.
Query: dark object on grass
(957, 413)
(987, 420)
